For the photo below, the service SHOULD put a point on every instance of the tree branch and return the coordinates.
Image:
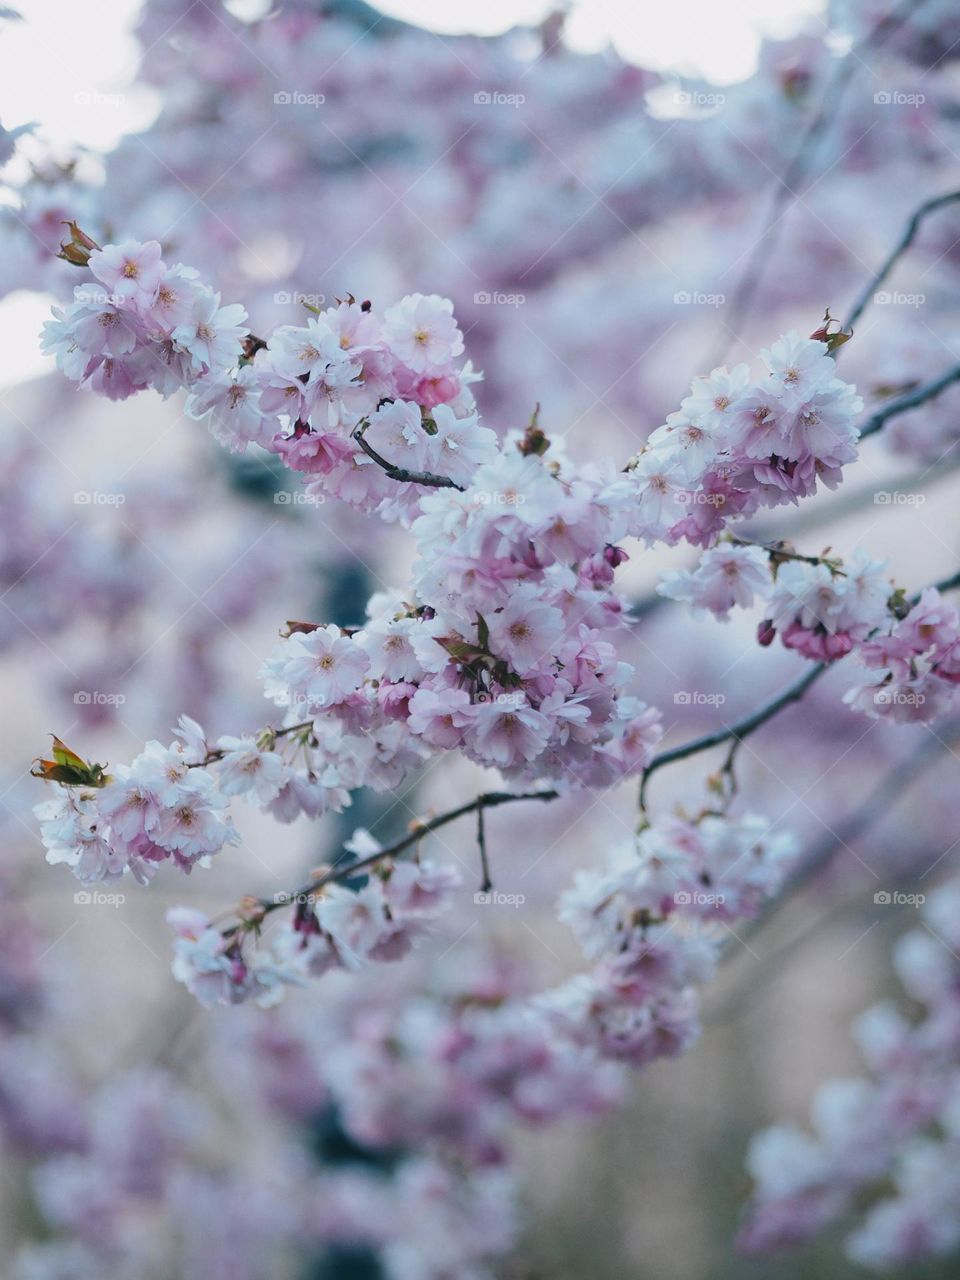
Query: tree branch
(797, 166)
(401, 474)
(883, 797)
(900, 248)
(911, 400)
(488, 800)
(742, 729)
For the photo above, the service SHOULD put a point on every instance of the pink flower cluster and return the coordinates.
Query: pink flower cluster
(142, 324)
(163, 805)
(334, 928)
(891, 1140)
(503, 647)
(728, 575)
(736, 445)
(917, 664)
(648, 922)
(823, 611)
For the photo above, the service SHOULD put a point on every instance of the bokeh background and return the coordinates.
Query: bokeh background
(616, 197)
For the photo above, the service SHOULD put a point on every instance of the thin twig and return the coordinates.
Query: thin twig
(798, 164)
(911, 400)
(900, 248)
(488, 800)
(742, 729)
(882, 798)
(487, 883)
(401, 474)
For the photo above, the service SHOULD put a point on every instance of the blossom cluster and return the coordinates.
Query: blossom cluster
(651, 923)
(142, 324)
(736, 445)
(916, 664)
(424, 1189)
(889, 1141)
(163, 805)
(821, 607)
(334, 927)
(503, 647)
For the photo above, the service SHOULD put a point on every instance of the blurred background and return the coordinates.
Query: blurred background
(617, 197)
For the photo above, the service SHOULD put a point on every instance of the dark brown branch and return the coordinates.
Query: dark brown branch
(488, 800)
(401, 474)
(742, 729)
(487, 883)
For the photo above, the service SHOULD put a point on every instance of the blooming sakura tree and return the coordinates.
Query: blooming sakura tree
(505, 653)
